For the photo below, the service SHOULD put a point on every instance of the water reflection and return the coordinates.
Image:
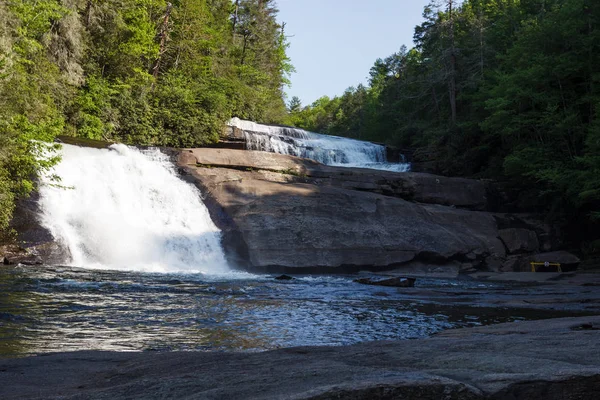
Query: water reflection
(47, 309)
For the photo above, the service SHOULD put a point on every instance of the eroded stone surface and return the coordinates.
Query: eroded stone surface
(421, 187)
(549, 359)
(273, 208)
(519, 240)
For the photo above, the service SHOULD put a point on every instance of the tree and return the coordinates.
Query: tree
(295, 105)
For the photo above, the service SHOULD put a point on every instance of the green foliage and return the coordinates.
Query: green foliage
(30, 88)
(132, 71)
(524, 79)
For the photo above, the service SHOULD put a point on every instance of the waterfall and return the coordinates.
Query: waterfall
(327, 149)
(122, 208)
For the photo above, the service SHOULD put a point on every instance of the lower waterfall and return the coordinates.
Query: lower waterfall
(122, 208)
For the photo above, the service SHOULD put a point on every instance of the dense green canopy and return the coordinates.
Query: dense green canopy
(502, 89)
(135, 71)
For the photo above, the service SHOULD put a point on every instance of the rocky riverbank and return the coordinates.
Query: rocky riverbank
(550, 359)
(283, 213)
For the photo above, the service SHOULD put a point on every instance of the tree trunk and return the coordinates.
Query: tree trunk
(88, 13)
(244, 49)
(452, 80)
(435, 101)
(590, 63)
(235, 16)
(164, 32)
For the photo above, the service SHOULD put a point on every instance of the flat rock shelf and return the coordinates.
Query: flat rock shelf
(550, 359)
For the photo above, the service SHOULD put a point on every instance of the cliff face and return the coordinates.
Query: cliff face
(281, 212)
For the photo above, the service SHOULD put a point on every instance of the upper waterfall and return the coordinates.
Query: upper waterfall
(327, 149)
(122, 208)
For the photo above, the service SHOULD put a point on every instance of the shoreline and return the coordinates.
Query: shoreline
(550, 359)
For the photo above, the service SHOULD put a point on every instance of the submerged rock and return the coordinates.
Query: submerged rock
(394, 282)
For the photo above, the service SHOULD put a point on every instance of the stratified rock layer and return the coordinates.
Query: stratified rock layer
(547, 359)
(283, 211)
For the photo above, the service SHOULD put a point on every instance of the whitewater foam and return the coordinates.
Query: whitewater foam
(327, 149)
(124, 209)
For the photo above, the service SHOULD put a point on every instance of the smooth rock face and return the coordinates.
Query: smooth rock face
(547, 359)
(282, 211)
(424, 188)
(36, 244)
(518, 240)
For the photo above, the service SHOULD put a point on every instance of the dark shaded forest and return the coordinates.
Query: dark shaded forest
(507, 90)
(143, 72)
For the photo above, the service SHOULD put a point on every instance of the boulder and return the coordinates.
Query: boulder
(514, 264)
(279, 212)
(561, 257)
(36, 243)
(13, 255)
(548, 237)
(518, 240)
(522, 263)
(448, 270)
(391, 282)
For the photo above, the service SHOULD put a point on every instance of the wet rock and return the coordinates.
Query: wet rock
(13, 255)
(36, 243)
(424, 269)
(393, 282)
(587, 326)
(284, 278)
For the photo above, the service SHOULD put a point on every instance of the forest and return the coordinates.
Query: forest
(505, 90)
(147, 72)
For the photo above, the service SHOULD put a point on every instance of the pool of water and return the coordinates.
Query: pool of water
(48, 309)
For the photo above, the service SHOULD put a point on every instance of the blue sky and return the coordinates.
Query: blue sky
(334, 43)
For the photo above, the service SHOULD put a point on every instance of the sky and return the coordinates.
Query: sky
(334, 43)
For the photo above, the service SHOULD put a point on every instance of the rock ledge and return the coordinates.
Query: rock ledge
(546, 359)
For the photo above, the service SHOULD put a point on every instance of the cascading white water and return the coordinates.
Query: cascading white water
(122, 208)
(330, 150)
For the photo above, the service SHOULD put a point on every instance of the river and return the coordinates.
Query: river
(49, 309)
